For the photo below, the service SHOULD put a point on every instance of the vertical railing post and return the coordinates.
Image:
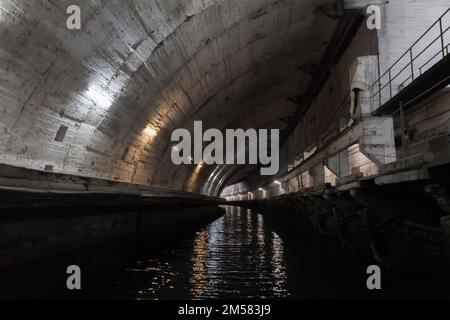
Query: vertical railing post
(379, 80)
(442, 37)
(412, 64)
(390, 84)
(379, 92)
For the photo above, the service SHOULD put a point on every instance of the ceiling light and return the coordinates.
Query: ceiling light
(150, 132)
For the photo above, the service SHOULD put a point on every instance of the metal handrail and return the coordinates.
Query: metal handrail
(412, 58)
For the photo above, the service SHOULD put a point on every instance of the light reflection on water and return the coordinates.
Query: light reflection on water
(236, 256)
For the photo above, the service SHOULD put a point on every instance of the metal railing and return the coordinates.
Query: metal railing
(429, 49)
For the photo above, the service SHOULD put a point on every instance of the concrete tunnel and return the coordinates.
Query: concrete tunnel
(356, 89)
(138, 65)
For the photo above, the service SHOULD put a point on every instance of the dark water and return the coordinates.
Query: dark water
(234, 257)
(242, 255)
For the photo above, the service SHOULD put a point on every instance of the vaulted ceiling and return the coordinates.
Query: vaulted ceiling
(140, 65)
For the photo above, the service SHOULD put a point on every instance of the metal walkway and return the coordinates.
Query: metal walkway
(421, 71)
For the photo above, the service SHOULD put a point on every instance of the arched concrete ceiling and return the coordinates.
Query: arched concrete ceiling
(137, 64)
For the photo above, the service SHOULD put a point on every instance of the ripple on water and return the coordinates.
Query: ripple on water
(236, 256)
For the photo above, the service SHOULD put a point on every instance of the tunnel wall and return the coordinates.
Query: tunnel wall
(433, 114)
(427, 127)
(329, 114)
(102, 101)
(330, 111)
(403, 22)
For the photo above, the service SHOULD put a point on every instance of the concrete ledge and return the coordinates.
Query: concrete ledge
(405, 176)
(44, 213)
(349, 186)
(33, 181)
